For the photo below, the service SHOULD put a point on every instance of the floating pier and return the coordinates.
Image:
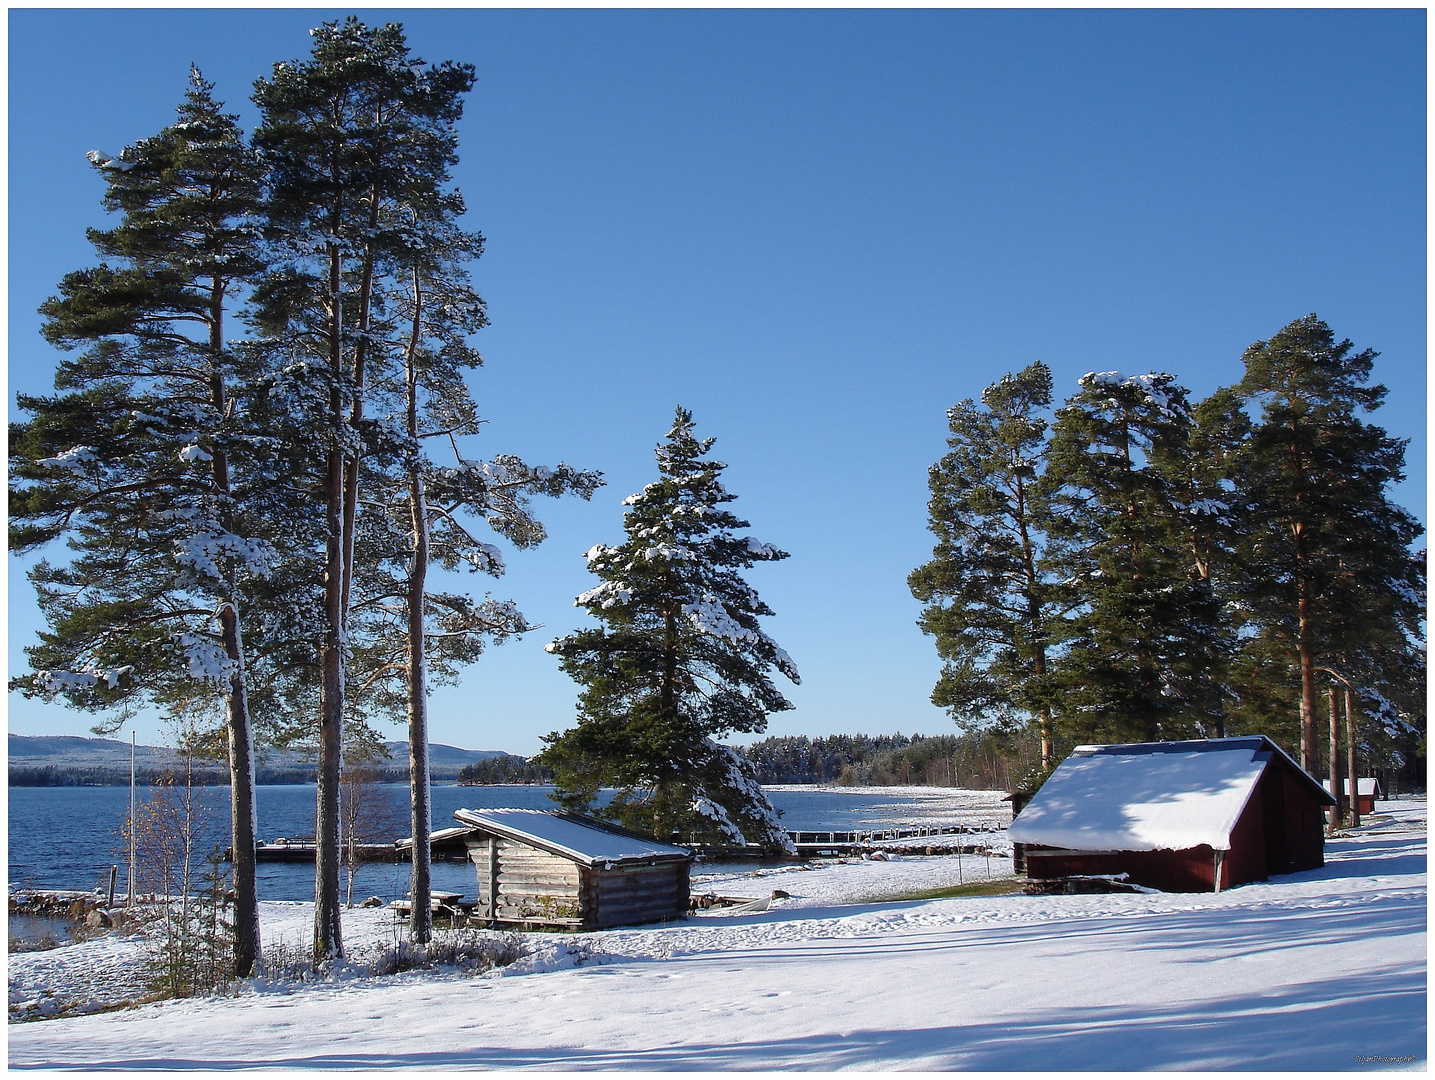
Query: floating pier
(300, 849)
(808, 842)
(858, 841)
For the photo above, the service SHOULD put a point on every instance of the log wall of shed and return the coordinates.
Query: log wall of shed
(533, 885)
(626, 895)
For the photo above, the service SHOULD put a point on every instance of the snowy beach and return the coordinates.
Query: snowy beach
(1319, 970)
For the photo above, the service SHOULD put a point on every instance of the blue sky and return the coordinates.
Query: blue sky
(817, 230)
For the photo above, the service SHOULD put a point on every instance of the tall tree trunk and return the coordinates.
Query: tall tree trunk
(328, 838)
(1309, 746)
(243, 826)
(1337, 812)
(421, 814)
(420, 810)
(242, 814)
(1035, 616)
(356, 410)
(1309, 749)
(1352, 769)
(328, 937)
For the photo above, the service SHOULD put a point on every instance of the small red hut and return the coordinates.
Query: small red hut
(1367, 790)
(1195, 816)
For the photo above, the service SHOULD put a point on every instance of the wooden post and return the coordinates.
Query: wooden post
(1220, 862)
(130, 897)
(492, 879)
(114, 873)
(1337, 812)
(1350, 757)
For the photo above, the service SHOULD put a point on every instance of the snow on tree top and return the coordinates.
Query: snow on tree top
(1146, 797)
(74, 458)
(1157, 387)
(606, 595)
(1103, 378)
(55, 682)
(710, 617)
(102, 160)
(666, 551)
(1208, 506)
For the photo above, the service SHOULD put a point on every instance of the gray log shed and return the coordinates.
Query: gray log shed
(551, 870)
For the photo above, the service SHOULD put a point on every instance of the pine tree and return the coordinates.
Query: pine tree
(1140, 654)
(989, 594)
(1208, 494)
(679, 662)
(406, 635)
(351, 138)
(1331, 579)
(145, 460)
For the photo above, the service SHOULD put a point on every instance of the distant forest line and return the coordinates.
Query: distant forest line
(980, 760)
(218, 776)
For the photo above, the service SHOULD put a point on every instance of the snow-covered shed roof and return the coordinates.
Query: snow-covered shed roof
(1365, 785)
(584, 840)
(1150, 796)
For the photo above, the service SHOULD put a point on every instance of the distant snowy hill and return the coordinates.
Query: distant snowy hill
(72, 752)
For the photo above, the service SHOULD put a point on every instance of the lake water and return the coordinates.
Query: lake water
(68, 838)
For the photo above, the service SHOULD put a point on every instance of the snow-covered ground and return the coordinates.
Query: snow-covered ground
(1320, 970)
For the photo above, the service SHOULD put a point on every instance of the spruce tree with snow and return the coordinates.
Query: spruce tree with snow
(989, 593)
(1142, 655)
(1331, 579)
(679, 662)
(147, 462)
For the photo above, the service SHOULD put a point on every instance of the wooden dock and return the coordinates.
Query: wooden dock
(807, 842)
(858, 841)
(300, 849)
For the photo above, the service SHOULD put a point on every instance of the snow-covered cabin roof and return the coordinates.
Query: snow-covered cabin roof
(1365, 785)
(584, 840)
(1150, 796)
(438, 836)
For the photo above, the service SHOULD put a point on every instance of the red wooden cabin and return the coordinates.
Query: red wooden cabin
(1367, 790)
(1195, 816)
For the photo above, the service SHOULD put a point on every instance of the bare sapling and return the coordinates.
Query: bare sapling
(191, 945)
(368, 816)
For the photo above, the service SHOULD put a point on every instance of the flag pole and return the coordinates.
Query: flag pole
(129, 902)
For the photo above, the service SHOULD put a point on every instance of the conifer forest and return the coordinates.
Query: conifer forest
(1133, 566)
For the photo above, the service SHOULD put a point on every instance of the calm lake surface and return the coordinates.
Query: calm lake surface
(68, 838)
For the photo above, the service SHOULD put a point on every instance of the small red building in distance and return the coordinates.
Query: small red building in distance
(1195, 816)
(1367, 790)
